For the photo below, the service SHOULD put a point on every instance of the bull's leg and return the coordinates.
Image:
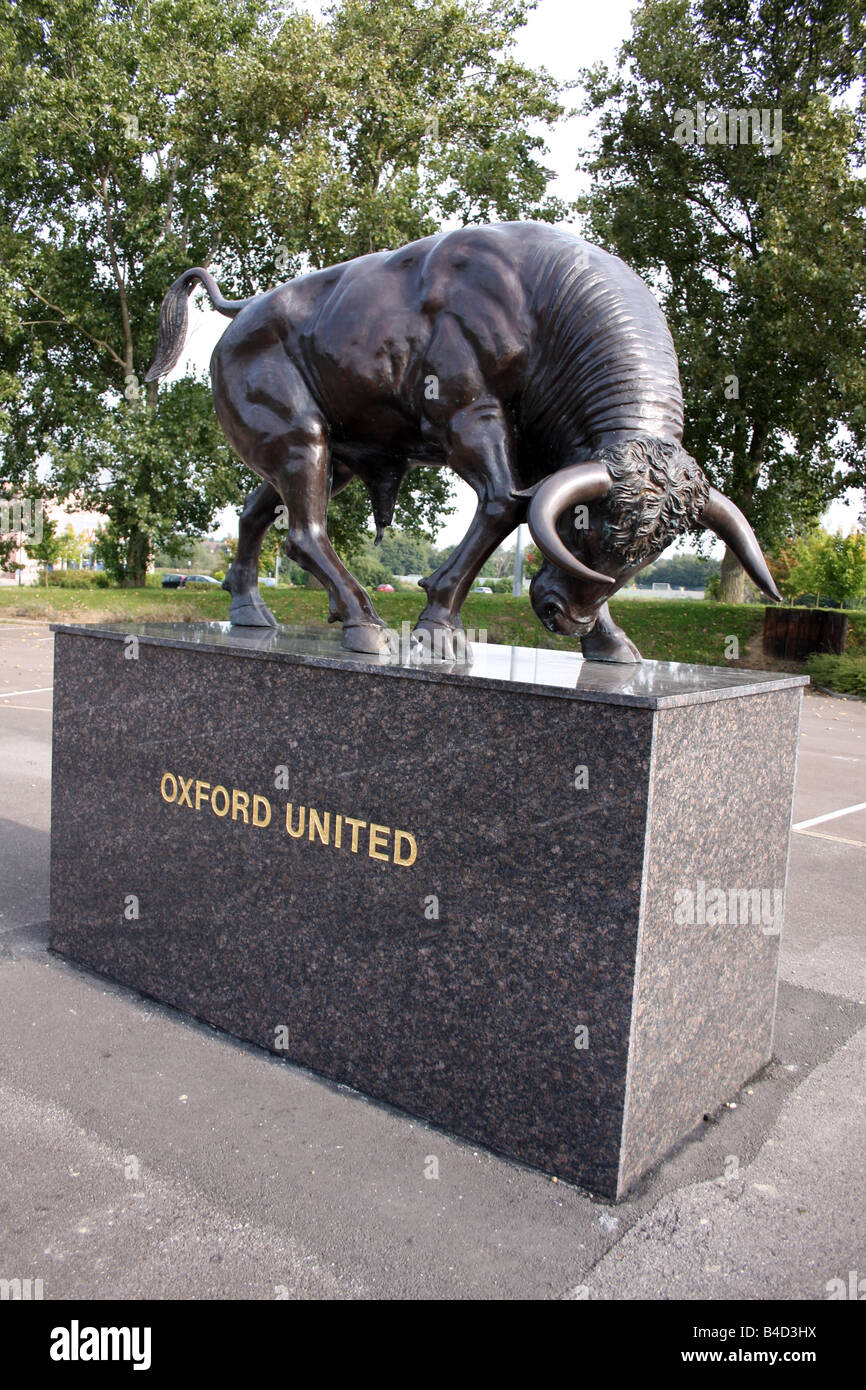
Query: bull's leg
(268, 416)
(608, 642)
(302, 479)
(341, 476)
(248, 609)
(480, 452)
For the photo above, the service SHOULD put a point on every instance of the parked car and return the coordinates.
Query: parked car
(202, 579)
(267, 583)
(173, 581)
(384, 588)
(483, 590)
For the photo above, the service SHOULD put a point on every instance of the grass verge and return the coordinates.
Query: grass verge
(663, 629)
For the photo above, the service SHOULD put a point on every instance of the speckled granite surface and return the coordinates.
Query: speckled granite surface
(459, 909)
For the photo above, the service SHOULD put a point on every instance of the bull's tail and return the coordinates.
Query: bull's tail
(174, 316)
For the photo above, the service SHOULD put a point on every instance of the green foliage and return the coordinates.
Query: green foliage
(680, 571)
(370, 572)
(72, 548)
(842, 567)
(153, 504)
(192, 554)
(404, 552)
(823, 564)
(532, 562)
(8, 538)
(47, 549)
(846, 674)
(77, 579)
(759, 256)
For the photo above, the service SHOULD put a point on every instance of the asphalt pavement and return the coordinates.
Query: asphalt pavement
(145, 1155)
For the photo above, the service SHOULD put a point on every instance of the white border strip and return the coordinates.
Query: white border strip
(11, 694)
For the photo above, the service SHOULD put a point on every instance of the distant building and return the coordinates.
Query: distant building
(84, 524)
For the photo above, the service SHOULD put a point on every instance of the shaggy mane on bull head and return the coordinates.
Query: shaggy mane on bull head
(657, 493)
(648, 491)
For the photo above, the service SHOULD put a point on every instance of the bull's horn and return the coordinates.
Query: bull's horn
(582, 482)
(727, 521)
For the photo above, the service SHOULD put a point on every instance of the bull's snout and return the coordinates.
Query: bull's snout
(556, 612)
(556, 619)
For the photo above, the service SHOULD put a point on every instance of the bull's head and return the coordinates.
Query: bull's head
(599, 522)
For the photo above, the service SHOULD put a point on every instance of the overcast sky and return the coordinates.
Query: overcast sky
(563, 36)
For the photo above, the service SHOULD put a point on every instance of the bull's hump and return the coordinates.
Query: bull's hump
(605, 360)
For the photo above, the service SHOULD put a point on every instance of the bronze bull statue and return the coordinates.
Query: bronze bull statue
(535, 365)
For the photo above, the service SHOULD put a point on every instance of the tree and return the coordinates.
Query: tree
(71, 547)
(110, 178)
(794, 565)
(47, 549)
(532, 562)
(757, 250)
(9, 523)
(686, 571)
(501, 563)
(822, 564)
(139, 137)
(842, 567)
(370, 571)
(406, 552)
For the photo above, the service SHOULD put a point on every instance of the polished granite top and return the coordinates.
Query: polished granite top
(541, 671)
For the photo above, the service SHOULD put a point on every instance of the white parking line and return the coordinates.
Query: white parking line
(11, 694)
(831, 815)
(833, 839)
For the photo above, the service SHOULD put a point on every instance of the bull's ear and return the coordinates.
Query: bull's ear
(529, 492)
(582, 482)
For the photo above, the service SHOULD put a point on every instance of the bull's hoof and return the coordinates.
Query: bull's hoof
(250, 610)
(610, 646)
(370, 638)
(440, 642)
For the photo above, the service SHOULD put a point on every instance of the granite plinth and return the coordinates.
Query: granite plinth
(487, 894)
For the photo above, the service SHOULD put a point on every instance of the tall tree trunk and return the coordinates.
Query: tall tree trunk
(137, 558)
(732, 579)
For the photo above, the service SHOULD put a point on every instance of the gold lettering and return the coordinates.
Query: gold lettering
(251, 808)
(378, 837)
(357, 825)
(399, 837)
